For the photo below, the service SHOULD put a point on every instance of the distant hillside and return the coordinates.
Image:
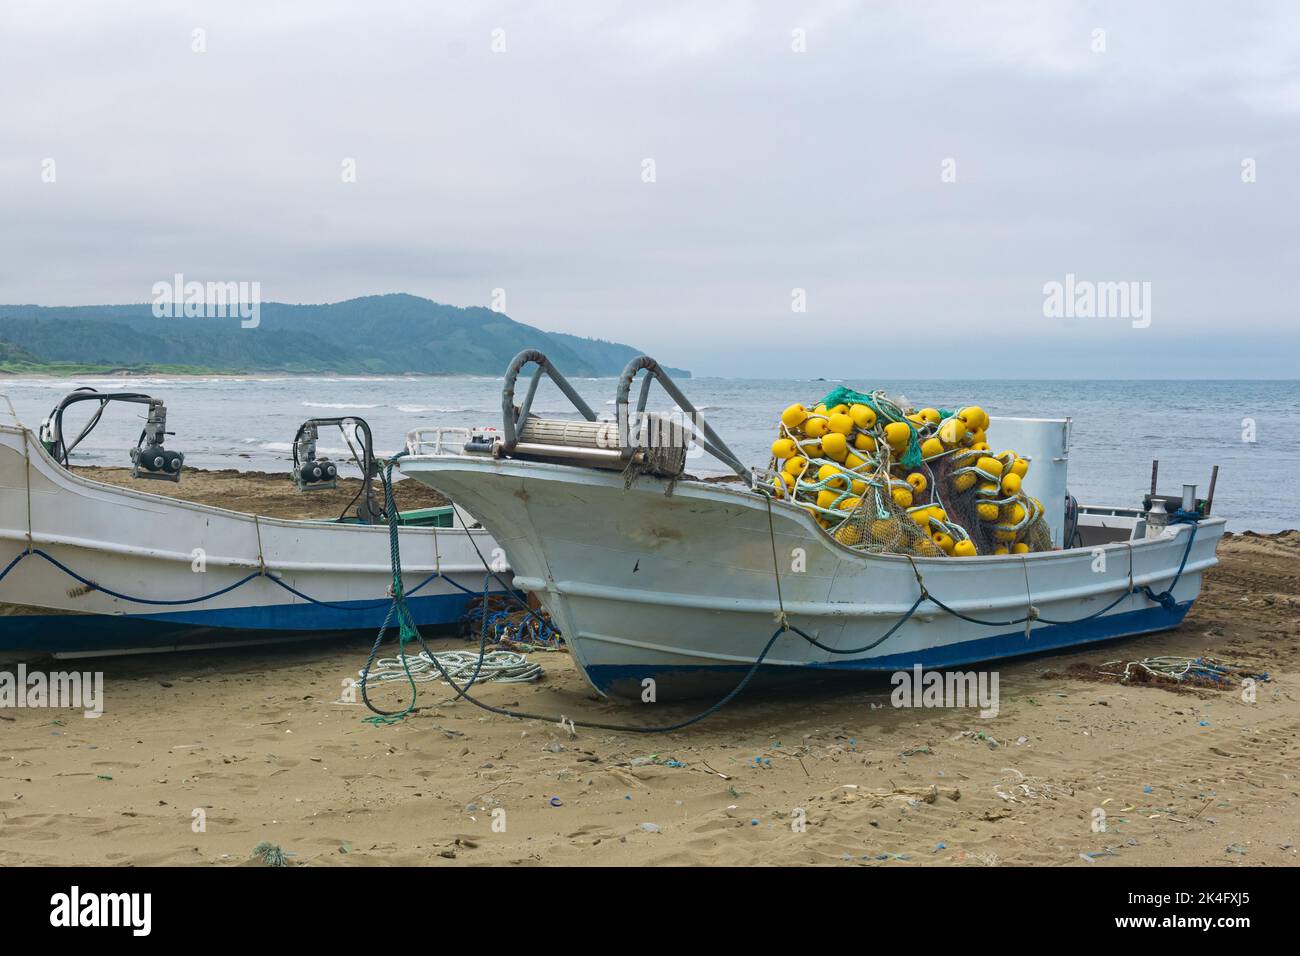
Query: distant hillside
(382, 334)
(601, 354)
(11, 354)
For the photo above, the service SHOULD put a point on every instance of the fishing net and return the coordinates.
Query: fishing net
(881, 477)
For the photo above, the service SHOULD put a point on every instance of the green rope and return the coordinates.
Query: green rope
(270, 854)
(843, 395)
(884, 409)
(406, 630)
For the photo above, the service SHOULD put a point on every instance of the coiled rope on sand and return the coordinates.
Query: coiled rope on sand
(502, 667)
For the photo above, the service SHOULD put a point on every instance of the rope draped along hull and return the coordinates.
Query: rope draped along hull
(679, 585)
(89, 568)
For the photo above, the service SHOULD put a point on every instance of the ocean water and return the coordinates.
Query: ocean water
(1118, 426)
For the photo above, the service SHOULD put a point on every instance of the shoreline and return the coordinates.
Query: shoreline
(8, 375)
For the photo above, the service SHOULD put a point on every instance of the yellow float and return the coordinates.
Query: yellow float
(863, 416)
(897, 435)
(951, 432)
(835, 446)
(794, 416)
(829, 471)
(840, 423)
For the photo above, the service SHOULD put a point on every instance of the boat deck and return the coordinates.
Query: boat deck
(255, 492)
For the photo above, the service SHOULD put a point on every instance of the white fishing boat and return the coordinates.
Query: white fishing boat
(653, 576)
(88, 567)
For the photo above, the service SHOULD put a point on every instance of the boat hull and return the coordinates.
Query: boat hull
(675, 587)
(81, 634)
(90, 568)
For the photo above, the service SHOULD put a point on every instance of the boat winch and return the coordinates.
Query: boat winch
(309, 472)
(600, 445)
(149, 459)
(636, 441)
(312, 473)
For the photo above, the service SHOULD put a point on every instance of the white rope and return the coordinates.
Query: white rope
(502, 667)
(27, 475)
(1178, 668)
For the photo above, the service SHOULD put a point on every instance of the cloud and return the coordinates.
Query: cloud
(775, 169)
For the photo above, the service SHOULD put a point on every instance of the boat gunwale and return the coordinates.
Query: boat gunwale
(705, 490)
(57, 473)
(848, 609)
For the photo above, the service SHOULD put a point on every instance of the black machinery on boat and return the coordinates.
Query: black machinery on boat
(318, 473)
(149, 459)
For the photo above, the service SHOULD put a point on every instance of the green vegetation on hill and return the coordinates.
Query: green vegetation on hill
(385, 334)
(11, 354)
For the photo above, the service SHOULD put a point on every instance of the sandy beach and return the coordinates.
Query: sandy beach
(258, 741)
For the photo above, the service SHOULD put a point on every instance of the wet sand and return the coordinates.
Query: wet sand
(257, 740)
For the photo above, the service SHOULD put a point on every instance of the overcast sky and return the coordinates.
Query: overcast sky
(794, 146)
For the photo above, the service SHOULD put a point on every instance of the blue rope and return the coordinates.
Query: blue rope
(10, 566)
(95, 586)
(530, 630)
(369, 605)
(1164, 598)
(126, 597)
(865, 647)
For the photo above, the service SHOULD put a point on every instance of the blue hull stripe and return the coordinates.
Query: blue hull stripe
(616, 678)
(47, 633)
